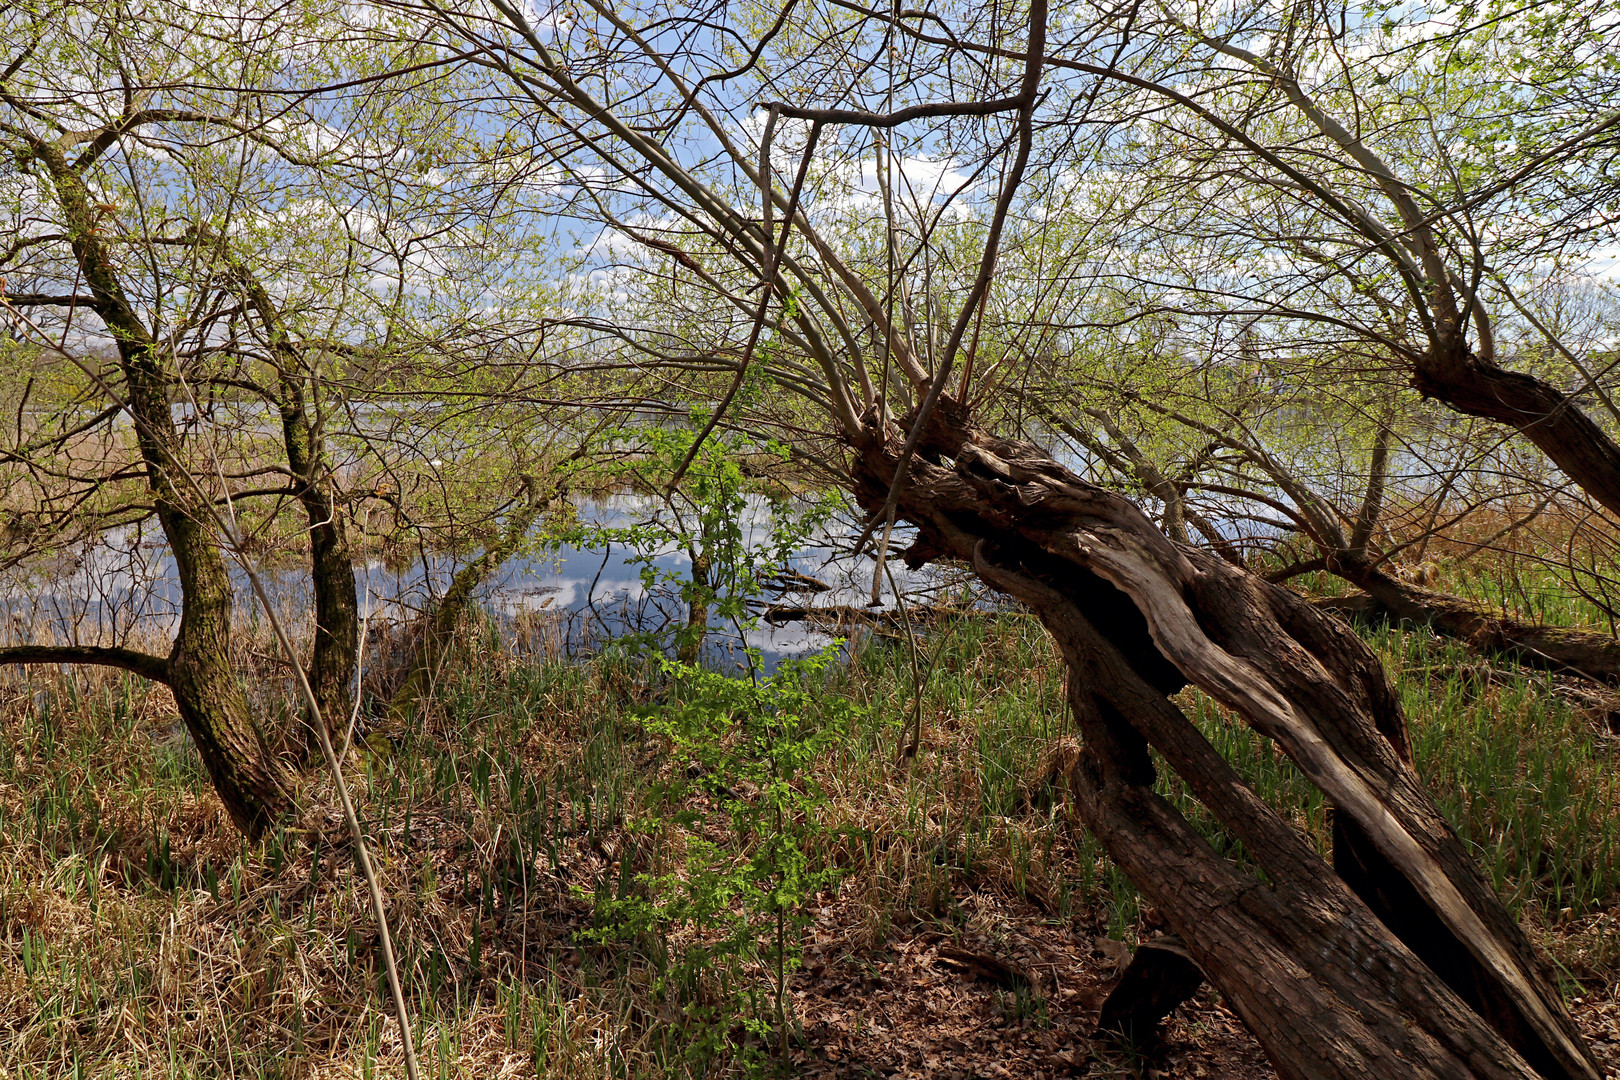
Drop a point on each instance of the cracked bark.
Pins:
(1400, 963)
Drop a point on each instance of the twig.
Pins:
(908, 749)
(359, 671)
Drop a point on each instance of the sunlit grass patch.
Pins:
(140, 936)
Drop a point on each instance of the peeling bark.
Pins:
(1314, 961)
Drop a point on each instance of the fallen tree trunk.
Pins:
(1554, 648)
(1400, 963)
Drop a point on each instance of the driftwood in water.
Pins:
(843, 615)
(1400, 962)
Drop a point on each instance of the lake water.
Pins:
(122, 589)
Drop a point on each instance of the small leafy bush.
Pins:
(723, 869)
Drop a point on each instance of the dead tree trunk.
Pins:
(1407, 967)
(1554, 648)
(1578, 652)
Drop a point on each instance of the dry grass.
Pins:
(139, 936)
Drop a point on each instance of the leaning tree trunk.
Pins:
(436, 629)
(1402, 963)
(252, 784)
(1560, 649)
(250, 781)
(1539, 411)
(207, 688)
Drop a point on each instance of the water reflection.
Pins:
(122, 590)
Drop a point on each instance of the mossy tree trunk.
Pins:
(251, 782)
(335, 651)
(334, 654)
(699, 592)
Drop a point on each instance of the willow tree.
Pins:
(762, 175)
(229, 280)
(90, 245)
(1387, 203)
(1343, 209)
(1295, 476)
(1417, 173)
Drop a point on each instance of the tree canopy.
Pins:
(1138, 310)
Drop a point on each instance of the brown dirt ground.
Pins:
(909, 1011)
(904, 1010)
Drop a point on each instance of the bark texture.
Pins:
(1314, 962)
(335, 652)
(699, 591)
(1554, 648)
(251, 782)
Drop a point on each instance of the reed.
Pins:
(141, 936)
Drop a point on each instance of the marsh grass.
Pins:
(140, 936)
